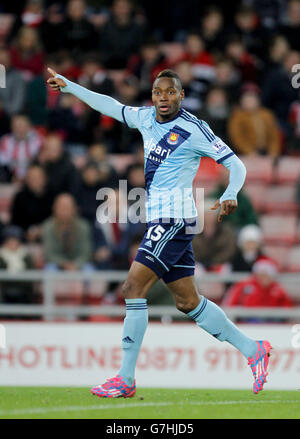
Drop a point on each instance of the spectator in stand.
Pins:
(86, 193)
(32, 204)
(32, 16)
(13, 94)
(147, 65)
(112, 232)
(247, 26)
(244, 62)
(202, 62)
(61, 173)
(19, 147)
(4, 122)
(291, 28)
(64, 120)
(94, 76)
(212, 30)
(245, 214)
(228, 78)
(193, 90)
(26, 53)
(14, 258)
(51, 29)
(278, 94)
(121, 36)
(135, 176)
(248, 249)
(261, 289)
(278, 49)
(108, 176)
(293, 140)
(252, 128)
(67, 237)
(124, 138)
(215, 246)
(216, 111)
(79, 35)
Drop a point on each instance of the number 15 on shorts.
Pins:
(155, 233)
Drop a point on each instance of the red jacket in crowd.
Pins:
(250, 292)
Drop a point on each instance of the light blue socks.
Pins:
(135, 324)
(213, 320)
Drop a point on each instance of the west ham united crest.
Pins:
(173, 138)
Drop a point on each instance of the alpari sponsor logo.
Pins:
(158, 153)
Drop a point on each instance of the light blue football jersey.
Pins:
(172, 152)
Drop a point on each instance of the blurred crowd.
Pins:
(236, 66)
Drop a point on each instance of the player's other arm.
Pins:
(99, 102)
(228, 200)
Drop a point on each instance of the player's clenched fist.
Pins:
(227, 207)
(54, 82)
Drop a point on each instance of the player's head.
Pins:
(167, 94)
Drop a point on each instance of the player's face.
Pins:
(166, 96)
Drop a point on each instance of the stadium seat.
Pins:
(212, 290)
(257, 194)
(281, 199)
(279, 229)
(278, 253)
(258, 168)
(69, 292)
(293, 259)
(208, 170)
(288, 170)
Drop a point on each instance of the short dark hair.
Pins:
(168, 73)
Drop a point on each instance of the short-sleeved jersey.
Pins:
(172, 154)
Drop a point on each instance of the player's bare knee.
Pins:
(131, 289)
(186, 307)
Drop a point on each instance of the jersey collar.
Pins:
(170, 120)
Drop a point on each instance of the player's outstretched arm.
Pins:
(228, 201)
(102, 103)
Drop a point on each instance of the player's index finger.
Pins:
(52, 72)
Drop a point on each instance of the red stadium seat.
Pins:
(281, 199)
(279, 229)
(278, 253)
(69, 292)
(288, 170)
(208, 170)
(257, 195)
(293, 259)
(258, 168)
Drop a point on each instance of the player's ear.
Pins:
(182, 94)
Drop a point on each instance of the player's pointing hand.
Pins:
(54, 82)
(227, 207)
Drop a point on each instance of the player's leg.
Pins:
(213, 320)
(209, 316)
(139, 280)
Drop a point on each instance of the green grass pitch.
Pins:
(78, 403)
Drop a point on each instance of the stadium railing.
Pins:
(50, 310)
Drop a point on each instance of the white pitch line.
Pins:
(42, 410)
